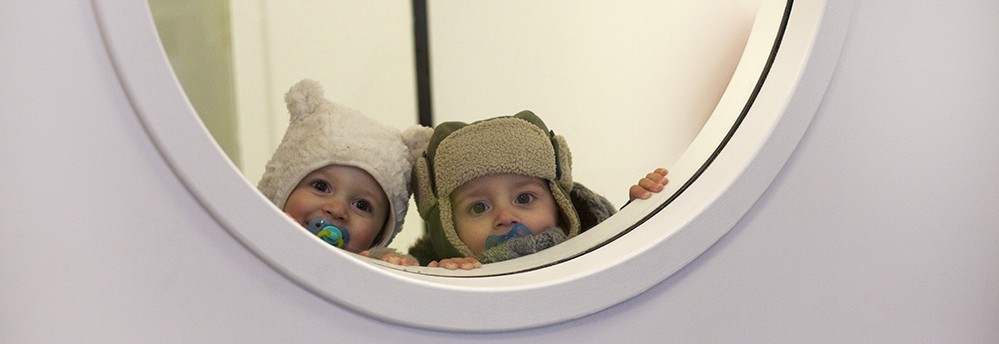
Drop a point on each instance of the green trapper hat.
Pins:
(459, 152)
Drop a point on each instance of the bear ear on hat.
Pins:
(563, 159)
(530, 117)
(304, 98)
(416, 139)
(423, 192)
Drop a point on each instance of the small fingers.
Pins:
(662, 172)
(471, 263)
(659, 176)
(655, 180)
(651, 185)
(407, 262)
(467, 263)
(638, 192)
(391, 258)
(397, 260)
(449, 264)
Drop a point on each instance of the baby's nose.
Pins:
(336, 209)
(505, 218)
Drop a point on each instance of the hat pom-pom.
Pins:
(417, 138)
(304, 98)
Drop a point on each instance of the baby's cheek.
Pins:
(476, 246)
(362, 240)
(542, 225)
(475, 240)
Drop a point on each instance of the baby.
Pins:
(502, 188)
(341, 175)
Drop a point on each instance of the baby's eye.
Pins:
(363, 205)
(478, 208)
(525, 198)
(320, 185)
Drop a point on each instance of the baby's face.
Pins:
(345, 196)
(491, 205)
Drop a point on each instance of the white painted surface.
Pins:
(881, 228)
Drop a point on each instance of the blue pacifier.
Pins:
(517, 231)
(331, 234)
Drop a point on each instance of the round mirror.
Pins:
(754, 123)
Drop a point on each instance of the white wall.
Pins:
(621, 81)
(881, 227)
(575, 63)
(197, 38)
(361, 51)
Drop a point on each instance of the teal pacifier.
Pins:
(517, 231)
(331, 234)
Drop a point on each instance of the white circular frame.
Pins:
(704, 203)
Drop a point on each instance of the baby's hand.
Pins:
(393, 258)
(653, 182)
(467, 263)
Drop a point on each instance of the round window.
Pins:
(766, 107)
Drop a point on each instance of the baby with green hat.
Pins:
(502, 188)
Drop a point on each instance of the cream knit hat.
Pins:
(323, 133)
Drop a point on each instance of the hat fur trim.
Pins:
(459, 152)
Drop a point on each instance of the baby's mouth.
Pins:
(333, 235)
(518, 230)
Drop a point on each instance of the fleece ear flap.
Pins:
(417, 138)
(563, 160)
(423, 192)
